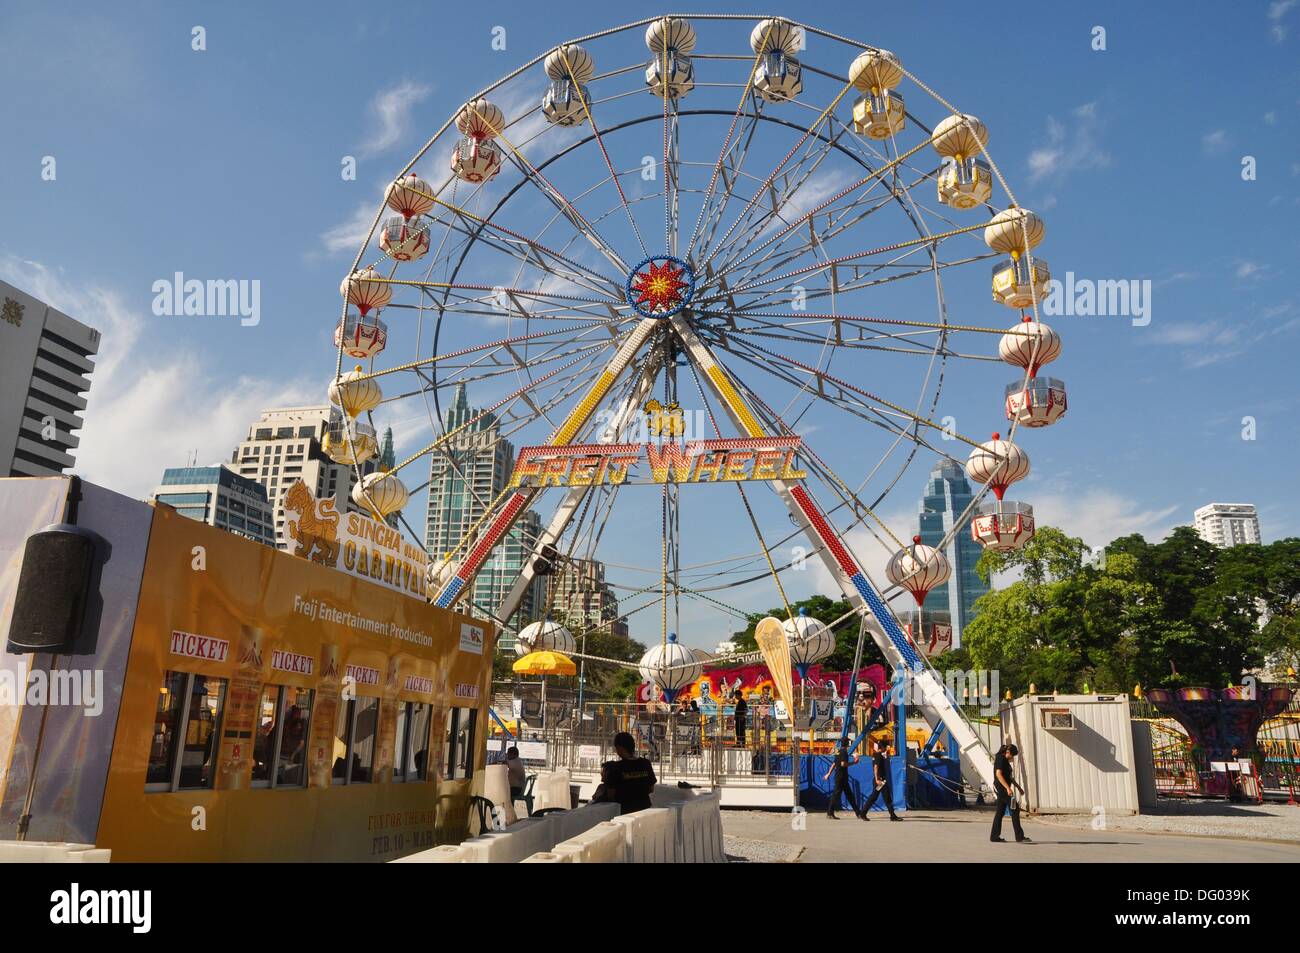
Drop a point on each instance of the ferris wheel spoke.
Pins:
(513, 243)
(726, 146)
(780, 165)
(838, 220)
(604, 153)
(871, 181)
(842, 259)
(567, 208)
(755, 217)
(831, 385)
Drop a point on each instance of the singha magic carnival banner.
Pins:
(352, 542)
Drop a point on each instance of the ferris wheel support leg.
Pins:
(458, 584)
(930, 695)
(573, 498)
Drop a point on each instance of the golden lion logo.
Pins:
(664, 421)
(316, 527)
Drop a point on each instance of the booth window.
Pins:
(354, 740)
(284, 723)
(411, 760)
(186, 735)
(460, 743)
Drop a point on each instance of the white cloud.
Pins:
(1249, 269)
(1098, 516)
(1213, 143)
(347, 236)
(1069, 148)
(390, 114)
(1276, 11)
(1270, 118)
(149, 411)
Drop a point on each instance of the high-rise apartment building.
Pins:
(1228, 524)
(220, 497)
(468, 473)
(45, 366)
(285, 445)
(947, 494)
(579, 594)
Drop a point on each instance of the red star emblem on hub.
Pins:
(659, 287)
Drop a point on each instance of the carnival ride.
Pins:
(612, 231)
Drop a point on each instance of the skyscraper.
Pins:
(464, 479)
(580, 596)
(283, 446)
(45, 363)
(947, 494)
(1228, 524)
(220, 497)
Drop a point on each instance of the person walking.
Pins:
(742, 717)
(1004, 780)
(880, 772)
(840, 765)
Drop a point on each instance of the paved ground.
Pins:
(1271, 821)
(964, 836)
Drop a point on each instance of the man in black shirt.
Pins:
(742, 716)
(840, 765)
(630, 779)
(1004, 780)
(880, 771)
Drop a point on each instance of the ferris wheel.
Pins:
(703, 250)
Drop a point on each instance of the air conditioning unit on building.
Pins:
(1057, 719)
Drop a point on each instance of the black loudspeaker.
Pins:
(53, 587)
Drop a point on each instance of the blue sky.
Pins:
(225, 163)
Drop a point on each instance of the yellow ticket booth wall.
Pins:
(275, 709)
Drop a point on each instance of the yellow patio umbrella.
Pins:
(545, 663)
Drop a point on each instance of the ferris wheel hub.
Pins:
(660, 286)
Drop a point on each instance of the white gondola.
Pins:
(566, 101)
(671, 40)
(349, 445)
(1018, 284)
(778, 77)
(361, 337)
(405, 239)
(1003, 525)
(1037, 402)
(964, 183)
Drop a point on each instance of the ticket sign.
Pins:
(735, 460)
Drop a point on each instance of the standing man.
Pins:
(880, 771)
(840, 765)
(742, 716)
(1004, 780)
(628, 780)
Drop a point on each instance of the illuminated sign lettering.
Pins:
(696, 461)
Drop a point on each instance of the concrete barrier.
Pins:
(570, 824)
(519, 840)
(496, 788)
(442, 854)
(552, 790)
(51, 852)
(699, 830)
(688, 831)
(650, 836)
(603, 844)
